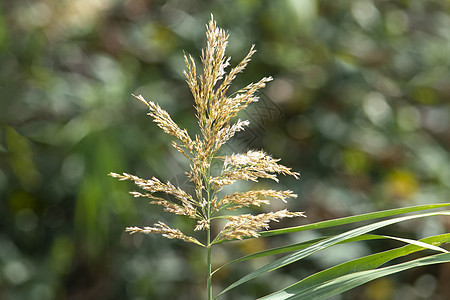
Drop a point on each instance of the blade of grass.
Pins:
(302, 245)
(353, 219)
(360, 264)
(288, 259)
(295, 247)
(349, 281)
(417, 243)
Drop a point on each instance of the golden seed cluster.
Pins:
(215, 111)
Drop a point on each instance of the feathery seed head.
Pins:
(248, 225)
(215, 111)
(166, 231)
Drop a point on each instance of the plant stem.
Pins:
(208, 260)
(208, 233)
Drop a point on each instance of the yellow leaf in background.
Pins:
(401, 183)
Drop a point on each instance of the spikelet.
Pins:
(166, 231)
(248, 225)
(154, 185)
(255, 198)
(250, 166)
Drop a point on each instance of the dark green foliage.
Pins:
(359, 105)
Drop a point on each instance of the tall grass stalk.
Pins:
(216, 112)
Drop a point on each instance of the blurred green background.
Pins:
(359, 105)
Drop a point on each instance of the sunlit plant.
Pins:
(216, 113)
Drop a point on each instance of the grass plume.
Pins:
(215, 113)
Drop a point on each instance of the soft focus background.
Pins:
(359, 105)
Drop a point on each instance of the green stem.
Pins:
(208, 234)
(208, 260)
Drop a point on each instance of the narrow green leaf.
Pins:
(349, 281)
(295, 247)
(360, 264)
(302, 245)
(288, 259)
(273, 251)
(353, 219)
(417, 243)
